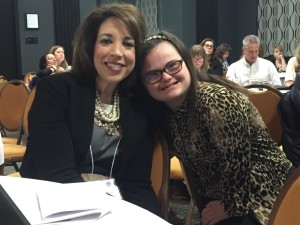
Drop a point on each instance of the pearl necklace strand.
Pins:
(109, 121)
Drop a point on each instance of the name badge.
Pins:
(112, 189)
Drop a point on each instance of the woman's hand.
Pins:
(288, 83)
(60, 69)
(53, 68)
(213, 213)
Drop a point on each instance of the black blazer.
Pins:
(60, 129)
(216, 66)
(289, 111)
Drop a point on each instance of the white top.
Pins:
(1, 151)
(290, 69)
(261, 71)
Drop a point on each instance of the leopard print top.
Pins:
(231, 153)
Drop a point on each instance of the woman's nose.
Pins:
(116, 50)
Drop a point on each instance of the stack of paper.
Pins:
(58, 202)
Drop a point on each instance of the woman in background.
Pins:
(208, 45)
(214, 65)
(48, 65)
(199, 58)
(222, 55)
(292, 67)
(59, 53)
(278, 58)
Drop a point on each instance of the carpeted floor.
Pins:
(179, 204)
(179, 210)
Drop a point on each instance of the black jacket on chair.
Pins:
(289, 110)
(60, 130)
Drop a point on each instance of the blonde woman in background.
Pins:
(59, 53)
(199, 58)
(292, 68)
(279, 58)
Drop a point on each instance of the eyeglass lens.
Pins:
(171, 68)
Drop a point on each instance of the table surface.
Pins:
(23, 192)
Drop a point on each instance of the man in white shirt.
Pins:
(251, 69)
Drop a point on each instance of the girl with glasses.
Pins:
(214, 65)
(208, 45)
(199, 58)
(213, 128)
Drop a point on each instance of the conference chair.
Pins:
(3, 81)
(13, 97)
(26, 110)
(265, 99)
(20, 150)
(160, 173)
(286, 207)
(28, 77)
(177, 173)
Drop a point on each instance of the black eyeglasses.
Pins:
(154, 76)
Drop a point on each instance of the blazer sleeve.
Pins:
(44, 73)
(50, 143)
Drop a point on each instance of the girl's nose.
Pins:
(165, 76)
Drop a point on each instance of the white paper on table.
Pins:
(73, 200)
(23, 192)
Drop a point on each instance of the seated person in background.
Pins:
(214, 129)
(292, 68)
(199, 58)
(214, 66)
(208, 45)
(59, 53)
(87, 124)
(278, 58)
(252, 69)
(221, 57)
(48, 66)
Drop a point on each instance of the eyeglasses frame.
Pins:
(164, 70)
